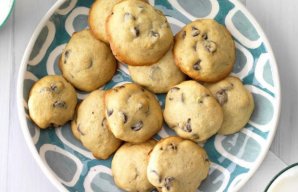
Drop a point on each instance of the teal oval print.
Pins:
(245, 27)
(198, 8)
(263, 112)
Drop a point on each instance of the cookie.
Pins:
(133, 113)
(98, 14)
(52, 101)
(192, 111)
(86, 62)
(236, 101)
(159, 77)
(138, 33)
(73, 124)
(91, 125)
(129, 166)
(177, 165)
(205, 50)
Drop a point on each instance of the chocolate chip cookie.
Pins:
(98, 14)
(205, 50)
(86, 62)
(52, 101)
(91, 126)
(236, 101)
(138, 33)
(177, 165)
(133, 113)
(159, 77)
(129, 166)
(192, 111)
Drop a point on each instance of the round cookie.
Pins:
(138, 33)
(159, 77)
(86, 62)
(98, 14)
(236, 101)
(205, 50)
(192, 111)
(133, 113)
(129, 166)
(52, 101)
(177, 165)
(92, 127)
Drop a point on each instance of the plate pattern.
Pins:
(232, 156)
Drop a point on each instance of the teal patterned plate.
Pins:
(235, 158)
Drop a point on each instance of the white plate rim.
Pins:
(8, 13)
(22, 116)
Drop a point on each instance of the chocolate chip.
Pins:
(138, 126)
(182, 98)
(53, 87)
(129, 17)
(197, 65)
(173, 146)
(183, 34)
(210, 46)
(187, 126)
(161, 148)
(110, 112)
(66, 55)
(207, 159)
(135, 31)
(154, 34)
(80, 131)
(205, 36)
(221, 96)
(60, 104)
(92, 112)
(103, 123)
(124, 117)
(168, 182)
(195, 31)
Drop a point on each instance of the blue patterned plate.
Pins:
(234, 158)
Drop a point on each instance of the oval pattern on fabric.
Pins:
(242, 29)
(63, 164)
(242, 148)
(99, 178)
(42, 43)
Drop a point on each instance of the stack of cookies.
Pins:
(192, 68)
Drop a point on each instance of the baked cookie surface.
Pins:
(86, 62)
(159, 77)
(52, 101)
(98, 14)
(133, 113)
(138, 33)
(129, 166)
(91, 126)
(205, 50)
(192, 111)
(177, 165)
(236, 101)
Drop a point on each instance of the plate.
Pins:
(285, 180)
(234, 159)
(5, 10)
